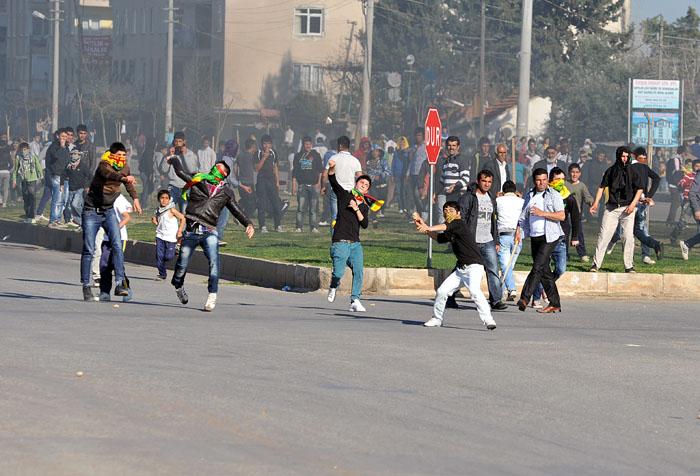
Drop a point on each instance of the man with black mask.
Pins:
(625, 190)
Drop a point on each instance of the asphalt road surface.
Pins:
(284, 383)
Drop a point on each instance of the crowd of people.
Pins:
(485, 203)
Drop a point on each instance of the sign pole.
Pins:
(430, 219)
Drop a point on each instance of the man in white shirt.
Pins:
(206, 155)
(508, 206)
(347, 169)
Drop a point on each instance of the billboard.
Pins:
(97, 50)
(656, 94)
(666, 131)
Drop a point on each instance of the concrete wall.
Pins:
(385, 281)
(260, 36)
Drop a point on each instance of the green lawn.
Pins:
(394, 243)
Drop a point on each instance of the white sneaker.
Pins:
(648, 260)
(537, 304)
(298, 230)
(512, 295)
(585, 259)
(211, 302)
(433, 322)
(331, 294)
(357, 306)
(280, 229)
(684, 249)
(263, 229)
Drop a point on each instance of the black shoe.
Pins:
(87, 294)
(491, 326)
(659, 250)
(182, 295)
(451, 303)
(522, 304)
(594, 269)
(499, 306)
(630, 270)
(121, 290)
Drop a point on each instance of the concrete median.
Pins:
(385, 281)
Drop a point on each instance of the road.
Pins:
(284, 383)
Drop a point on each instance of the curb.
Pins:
(384, 281)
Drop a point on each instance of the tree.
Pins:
(110, 100)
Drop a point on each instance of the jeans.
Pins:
(165, 251)
(65, 203)
(419, 203)
(507, 247)
(695, 239)
(107, 267)
(351, 255)
(541, 271)
(333, 200)
(221, 223)
(488, 253)
(469, 276)
(307, 196)
(45, 196)
(581, 247)
(559, 260)
(210, 245)
(93, 220)
(268, 200)
(176, 196)
(29, 197)
(76, 198)
(641, 232)
(5, 186)
(56, 209)
(676, 199)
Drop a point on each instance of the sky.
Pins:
(670, 9)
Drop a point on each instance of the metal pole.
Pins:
(169, 74)
(367, 72)
(525, 54)
(430, 219)
(661, 50)
(513, 143)
(482, 68)
(650, 153)
(56, 64)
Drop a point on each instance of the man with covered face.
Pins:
(98, 212)
(208, 194)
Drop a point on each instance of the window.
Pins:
(307, 77)
(308, 21)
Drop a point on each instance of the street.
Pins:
(273, 382)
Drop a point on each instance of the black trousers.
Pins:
(268, 200)
(541, 271)
(247, 200)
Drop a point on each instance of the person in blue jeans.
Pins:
(208, 194)
(346, 248)
(98, 212)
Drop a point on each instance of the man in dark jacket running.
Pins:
(209, 193)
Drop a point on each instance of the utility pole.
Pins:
(482, 67)
(56, 64)
(353, 24)
(524, 86)
(367, 73)
(661, 50)
(169, 73)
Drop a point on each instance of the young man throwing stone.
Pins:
(470, 265)
(209, 193)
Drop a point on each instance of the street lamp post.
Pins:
(56, 57)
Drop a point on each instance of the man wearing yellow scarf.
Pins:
(98, 212)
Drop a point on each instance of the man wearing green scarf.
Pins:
(208, 194)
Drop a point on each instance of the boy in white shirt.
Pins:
(170, 225)
(123, 210)
(509, 206)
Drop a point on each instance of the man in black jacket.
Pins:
(478, 210)
(79, 177)
(209, 193)
(650, 181)
(499, 168)
(57, 159)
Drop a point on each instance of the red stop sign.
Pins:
(433, 135)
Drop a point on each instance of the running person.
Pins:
(469, 269)
(346, 248)
(209, 193)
